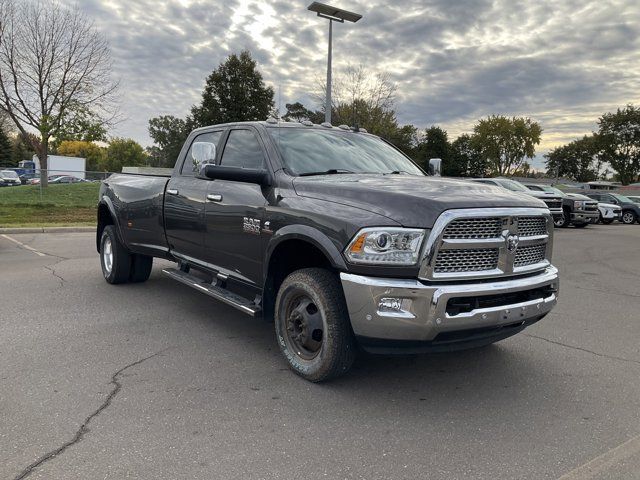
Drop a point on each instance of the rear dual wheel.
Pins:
(118, 264)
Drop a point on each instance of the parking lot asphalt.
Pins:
(157, 381)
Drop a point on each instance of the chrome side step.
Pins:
(222, 294)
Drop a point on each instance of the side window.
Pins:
(201, 151)
(242, 150)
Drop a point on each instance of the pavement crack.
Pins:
(53, 272)
(603, 355)
(84, 428)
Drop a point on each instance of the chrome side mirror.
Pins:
(435, 166)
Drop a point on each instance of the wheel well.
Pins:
(104, 219)
(289, 256)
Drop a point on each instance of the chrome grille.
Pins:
(467, 260)
(532, 226)
(469, 228)
(591, 206)
(478, 243)
(530, 255)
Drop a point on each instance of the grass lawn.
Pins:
(56, 205)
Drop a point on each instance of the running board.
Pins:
(222, 294)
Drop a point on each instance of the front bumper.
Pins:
(584, 217)
(418, 315)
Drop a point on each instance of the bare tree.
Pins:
(52, 61)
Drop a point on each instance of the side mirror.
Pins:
(237, 174)
(435, 166)
(202, 153)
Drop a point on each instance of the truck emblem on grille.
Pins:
(512, 242)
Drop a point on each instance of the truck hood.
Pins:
(412, 201)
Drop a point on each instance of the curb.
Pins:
(48, 230)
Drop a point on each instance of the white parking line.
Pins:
(27, 247)
(604, 462)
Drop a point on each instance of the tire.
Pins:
(140, 268)
(115, 259)
(312, 325)
(628, 217)
(561, 221)
(607, 221)
(580, 225)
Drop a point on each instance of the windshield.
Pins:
(9, 174)
(306, 150)
(621, 198)
(512, 185)
(552, 190)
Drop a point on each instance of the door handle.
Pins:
(214, 197)
(172, 191)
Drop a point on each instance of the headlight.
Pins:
(386, 246)
(578, 204)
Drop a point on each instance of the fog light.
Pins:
(395, 307)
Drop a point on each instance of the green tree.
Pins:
(123, 152)
(6, 150)
(168, 133)
(22, 147)
(465, 160)
(578, 160)
(234, 92)
(620, 140)
(94, 154)
(506, 142)
(434, 143)
(79, 123)
(297, 112)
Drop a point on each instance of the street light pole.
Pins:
(327, 108)
(332, 14)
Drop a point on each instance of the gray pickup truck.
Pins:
(337, 237)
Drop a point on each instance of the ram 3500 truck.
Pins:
(337, 237)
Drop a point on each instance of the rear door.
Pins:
(184, 202)
(235, 211)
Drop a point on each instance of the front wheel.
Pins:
(607, 221)
(561, 221)
(312, 325)
(628, 217)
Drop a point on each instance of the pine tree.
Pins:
(6, 150)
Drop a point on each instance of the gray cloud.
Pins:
(562, 63)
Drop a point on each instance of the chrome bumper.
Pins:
(399, 309)
(584, 216)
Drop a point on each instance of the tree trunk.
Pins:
(43, 156)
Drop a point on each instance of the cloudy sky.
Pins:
(561, 62)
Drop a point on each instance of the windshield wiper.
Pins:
(331, 171)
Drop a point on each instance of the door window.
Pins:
(201, 151)
(243, 150)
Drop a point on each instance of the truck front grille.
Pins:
(554, 203)
(467, 260)
(530, 255)
(487, 243)
(468, 228)
(532, 226)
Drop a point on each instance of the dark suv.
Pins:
(630, 209)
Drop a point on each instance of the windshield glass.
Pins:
(306, 150)
(512, 185)
(621, 198)
(9, 174)
(553, 190)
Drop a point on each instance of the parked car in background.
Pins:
(9, 178)
(609, 212)
(59, 179)
(578, 210)
(630, 209)
(634, 198)
(551, 199)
